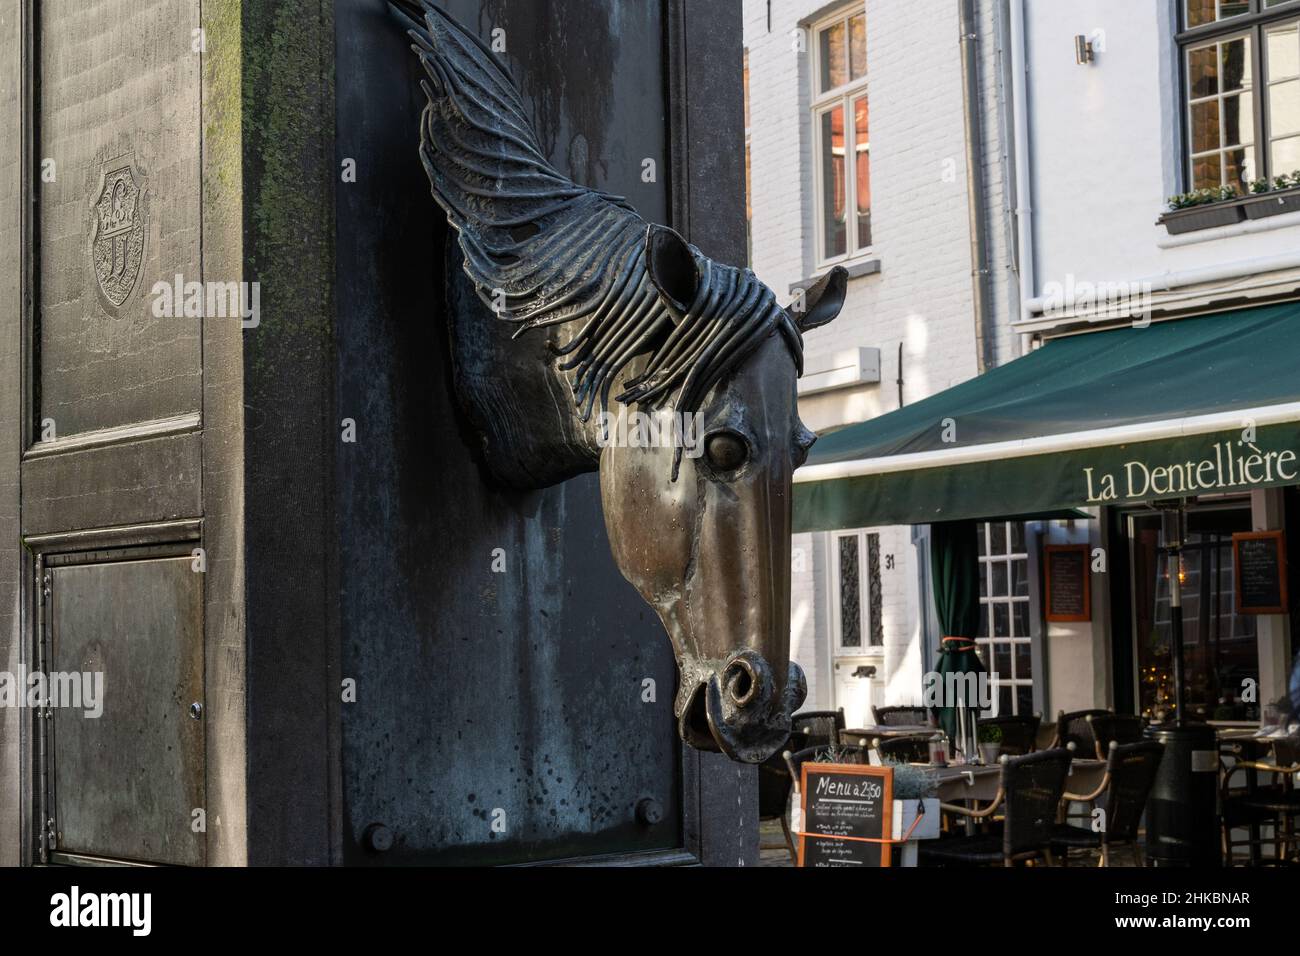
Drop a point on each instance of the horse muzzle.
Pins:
(736, 708)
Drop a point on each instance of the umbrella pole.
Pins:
(1173, 530)
(1176, 632)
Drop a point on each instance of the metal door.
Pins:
(111, 433)
(125, 749)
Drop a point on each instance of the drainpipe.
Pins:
(979, 254)
(1024, 184)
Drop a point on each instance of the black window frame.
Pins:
(1253, 22)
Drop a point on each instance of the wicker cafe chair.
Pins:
(1073, 728)
(1019, 734)
(774, 786)
(900, 716)
(1275, 805)
(822, 727)
(913, 749)
(1110, 728)
(1130, 773)
(1028, 795)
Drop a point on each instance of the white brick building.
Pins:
(1089, 116)
(911, 295)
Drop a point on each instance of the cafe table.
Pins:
(864, 735)
(980, 782)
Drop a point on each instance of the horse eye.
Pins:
(726, 451)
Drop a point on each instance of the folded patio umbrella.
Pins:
(954, 565)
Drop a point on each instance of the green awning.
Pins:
(1196, 406)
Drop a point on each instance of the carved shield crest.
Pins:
(117, 242)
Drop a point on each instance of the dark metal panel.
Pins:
(119, 115)
(478, 691)
(131, 483)
(125, 783)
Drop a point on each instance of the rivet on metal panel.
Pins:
(649, 811)
(378, 838)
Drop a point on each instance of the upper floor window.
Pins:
(1241, 90)
(840, 136)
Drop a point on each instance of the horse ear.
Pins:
(672, 267)
(822, 303)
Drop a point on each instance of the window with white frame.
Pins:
(1005, 637)
(856, 560)
(1241, 91)
(841, 138)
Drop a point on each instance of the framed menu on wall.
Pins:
(1067, 582)
(846, 814)
(1259, 570)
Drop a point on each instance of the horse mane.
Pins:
(542, 250)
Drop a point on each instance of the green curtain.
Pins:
(954, 571)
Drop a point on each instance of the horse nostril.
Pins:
(741, 681)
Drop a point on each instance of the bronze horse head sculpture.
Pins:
(635, 322)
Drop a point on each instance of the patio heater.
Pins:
(1182, 810)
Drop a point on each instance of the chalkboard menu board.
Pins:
(1259, 566)
(1068, 584)
(846, 810)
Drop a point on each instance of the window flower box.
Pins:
(1205, 216)
(1273, 203)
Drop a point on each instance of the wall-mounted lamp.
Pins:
(1083, 52)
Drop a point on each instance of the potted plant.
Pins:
(1273, 197)
(990, 736)
(1202, 209)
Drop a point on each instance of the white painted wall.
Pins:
(922, 296)
(1105, 146)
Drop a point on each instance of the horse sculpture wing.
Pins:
(543, 250)
(540, 249)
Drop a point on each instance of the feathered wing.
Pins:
(542, 250)
(539, 248)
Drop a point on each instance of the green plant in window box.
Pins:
(1204, 196)
(1274, 197)
(1203, 208)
